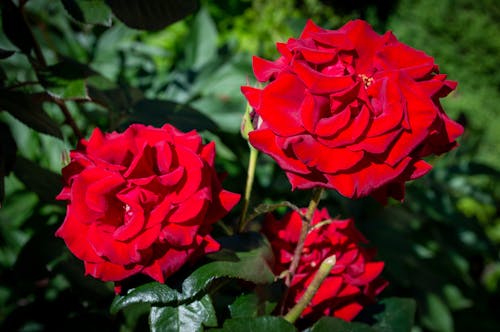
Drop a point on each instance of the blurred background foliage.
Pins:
(441, 246)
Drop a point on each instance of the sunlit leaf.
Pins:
(201, 43)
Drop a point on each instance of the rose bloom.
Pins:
(351, 110)
(141, 202)
(352, 283)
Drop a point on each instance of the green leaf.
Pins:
(44, 183)
(201, 43)
(152, 14)
(436, 315)
(258, 324)
(183, 318)
(28, 109)
(66, 79)
(252, 266)
(152, 293)
(15, 27)
(89, 11)
(249, 305)
(398, 315)
(159, 112)
(329, 324)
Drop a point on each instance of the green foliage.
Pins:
(263, 323)
(463, 37)
(250, 266)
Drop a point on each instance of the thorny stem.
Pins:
(306, 224)
(323, 271)
(252, 163)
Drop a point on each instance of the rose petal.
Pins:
(315, 155)
(265, 140)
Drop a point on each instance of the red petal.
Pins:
(349, 311)
(265, 141)
(319, 83)
(280, 106)
(107, 271)
(312, 110)
(192, 208)
(265, 69)
(253, 96)
(325, 159)
(367, 178)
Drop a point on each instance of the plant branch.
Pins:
(323, 271)
(306, 224)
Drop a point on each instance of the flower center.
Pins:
(367, 81)
(128, 213)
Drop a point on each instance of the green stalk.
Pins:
(252, 163)
(323, 271)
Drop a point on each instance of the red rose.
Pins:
(354, 280)
(351, 110)
(141, 201)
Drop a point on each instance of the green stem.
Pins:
(306, 224)
(252, 163)
(323, 271)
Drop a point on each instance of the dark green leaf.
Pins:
(329, 324)
(15, 28)
(153, 14)
(252, 266)
(66, 79)
(110, 95)
(8, 150)
(249, 305)
(41, 181)
(160, 112)
(28, 109)
(184, 318)
(152, 293)
(70, 69)
(89, 11)
(201, 43)
(4, 54)
(258, 324)
(398, 315)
